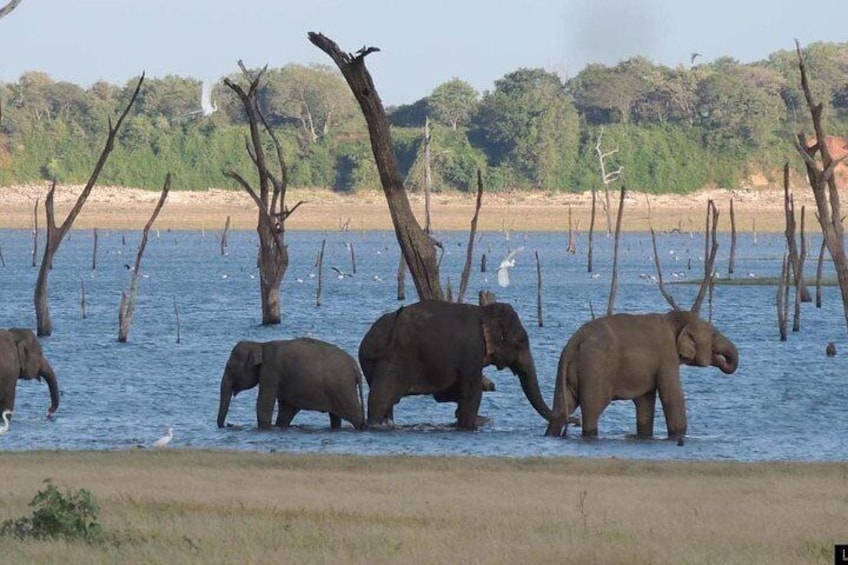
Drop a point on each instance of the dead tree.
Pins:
(607, 178)
(667, 295)
(614, 283)
(401, 279)
(418, 249)
(823, 184)
(799, 278)
(82, 298)
(127, 307)
(819, 272)
(469, 254)
(794, 258)
(34, 231)
(56, 233)
(710, 252)
(592, 228)
(320, 264)
(224, 236)
(428, 176)
(94, 251)
(572, 247)
(731, 262)
(7, 9)
(177, 316)
(781, 300)
(539, 291)
(273, 255)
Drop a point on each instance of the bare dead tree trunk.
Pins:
(592, 227)
(94, 251)
(539, 291)
(483, 263)
(449, 291)
(82, 298)
(34, 231)
(614, 284)
(401, 279)
(224, 236)
(710, 251)
(352, 258)
(419, 250)
(270, 201)
(731, 263)
(781, 297)
(127, 308)
(819, 273)
(428, 177)
(469, 252)
(789, 210)
(7, 9)
(2, 260)
(667, 295)
(823, 184)
(56, 233)
(177, 316)
(572, 247)
(799, 277)
(320, 273)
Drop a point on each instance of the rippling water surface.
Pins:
(786, 401)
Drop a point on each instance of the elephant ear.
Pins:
(23, 356)
(490, 342)
(686, 345)
(254, 355)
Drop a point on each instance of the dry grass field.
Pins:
(758, 209)
(175, 506)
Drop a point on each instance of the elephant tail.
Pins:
(565, 399)
(359, 380)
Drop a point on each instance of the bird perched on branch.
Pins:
(506, 264)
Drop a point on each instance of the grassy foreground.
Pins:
(175, 506)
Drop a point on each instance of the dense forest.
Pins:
(676, 129)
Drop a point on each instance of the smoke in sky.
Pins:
(609, 31)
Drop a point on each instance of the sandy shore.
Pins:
(758, 209)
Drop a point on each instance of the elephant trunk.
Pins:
(725, 356)
(226, 395)
(46, 372)
(530, 386)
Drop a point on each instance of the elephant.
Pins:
(22, 357)
(440, 348)
(634, 357)
(300, 374)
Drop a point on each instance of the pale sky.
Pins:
(422, 43)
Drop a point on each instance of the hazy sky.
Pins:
(423, 43)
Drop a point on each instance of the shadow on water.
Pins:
(784, 402)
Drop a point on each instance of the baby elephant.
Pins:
(635, 357)
(300, 374)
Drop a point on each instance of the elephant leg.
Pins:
(674, 405)
(645, 405)
(383, 394)
(286, 414)
(469, 404)
(335, 422)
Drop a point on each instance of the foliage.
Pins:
(678, 128)
(72, 516)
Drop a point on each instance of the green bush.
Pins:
(72, 516)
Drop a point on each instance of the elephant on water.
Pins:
(297, 374)
(635, 357)
(21, 357)
(440, 348)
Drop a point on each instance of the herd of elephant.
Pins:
(441, 348)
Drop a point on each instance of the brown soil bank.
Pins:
(127, 208)
(175, 506)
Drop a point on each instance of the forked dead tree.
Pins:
(614, 283)
(127, 307)
(270, 200)
(55, 233)
(607, 178)
(795, 259)
(418, 249)
(823, 184)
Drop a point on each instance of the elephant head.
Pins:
(507, 346)
(701, 345)
(241, 373)
(34, 365)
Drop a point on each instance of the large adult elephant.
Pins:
(299, 374)
(635, 357)
(21, 357)
(440, 348)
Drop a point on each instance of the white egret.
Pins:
(506, 264)
(6, 414)
(165, 439)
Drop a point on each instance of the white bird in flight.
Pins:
(506, 264)
(5, 428)
(165, 439)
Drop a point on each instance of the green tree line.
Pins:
(676, 129)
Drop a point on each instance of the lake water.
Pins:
(787, 401)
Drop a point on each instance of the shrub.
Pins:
(72, 516)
